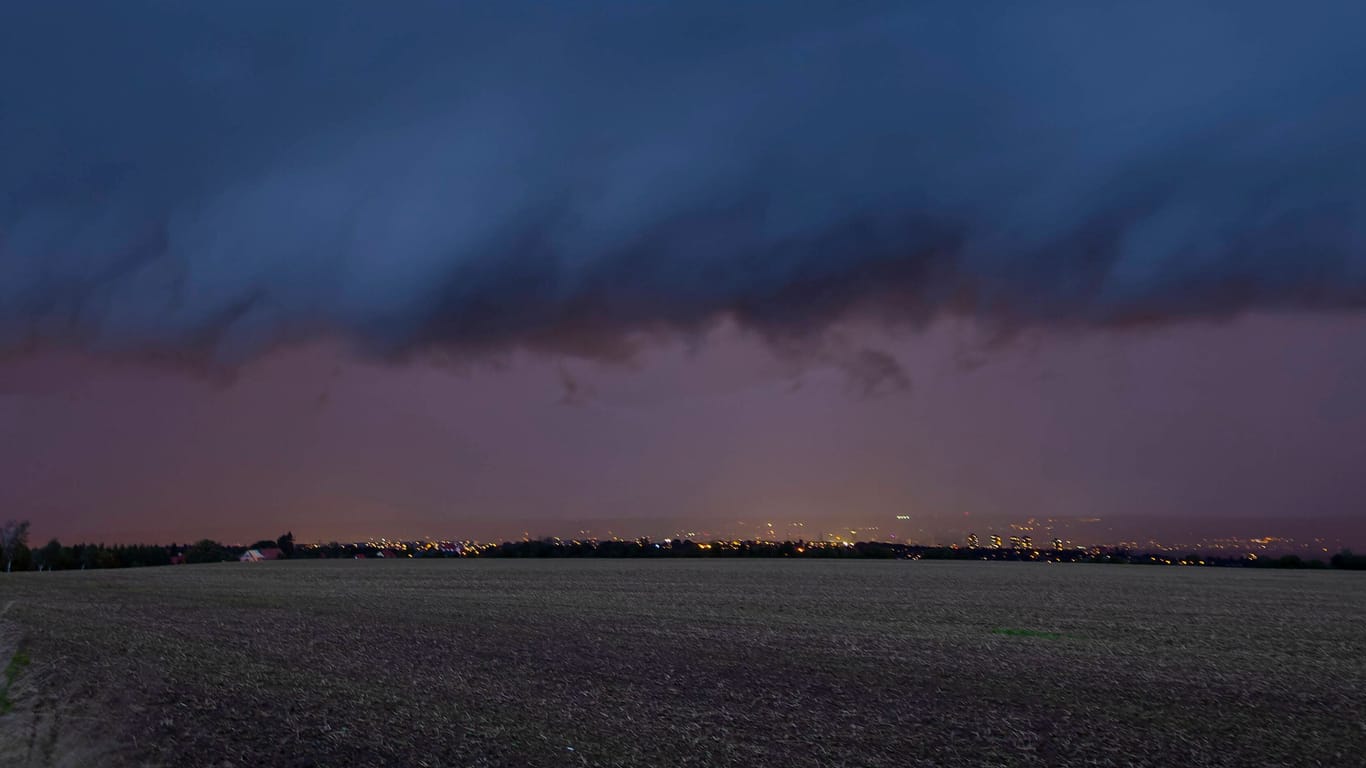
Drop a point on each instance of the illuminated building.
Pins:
(972, 541)
(1057, 544)
(995, 542)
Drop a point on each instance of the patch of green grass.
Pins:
(1026, 633)
(16, 665)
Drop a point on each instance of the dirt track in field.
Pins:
(704, 663)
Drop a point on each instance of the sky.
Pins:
(355, 270)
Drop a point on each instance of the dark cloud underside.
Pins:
(210, 179)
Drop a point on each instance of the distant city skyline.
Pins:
(1228, 536)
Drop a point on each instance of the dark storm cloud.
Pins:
(191, 179)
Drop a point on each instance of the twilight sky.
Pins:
(356, 269)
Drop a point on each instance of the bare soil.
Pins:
(684, 663)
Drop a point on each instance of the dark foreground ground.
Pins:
(755, 663)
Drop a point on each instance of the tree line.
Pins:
(54, 556)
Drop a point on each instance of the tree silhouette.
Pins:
(13, 540)
(286, 543)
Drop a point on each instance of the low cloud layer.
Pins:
(209, 180)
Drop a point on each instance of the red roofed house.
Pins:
(258, 555)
